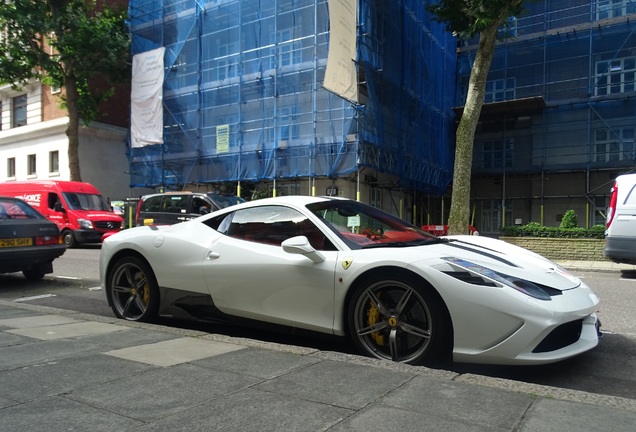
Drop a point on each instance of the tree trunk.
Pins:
(72, 130)
(458, 218)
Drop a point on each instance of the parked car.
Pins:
(173, 207)
(338, 266)
(28, 241)
(620, 231)
(77, 208)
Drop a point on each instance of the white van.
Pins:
(620, 231)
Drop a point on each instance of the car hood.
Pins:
(98, 215)
(506, 258)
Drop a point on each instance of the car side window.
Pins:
(52, 200)
(174, 204)
(200, 206)
(272, 225)
(152, 204)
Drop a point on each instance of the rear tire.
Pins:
(35, 273)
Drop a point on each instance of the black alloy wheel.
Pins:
(132, 290)
(398, 319)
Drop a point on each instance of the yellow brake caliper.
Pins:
(373, 316)
(146, 293)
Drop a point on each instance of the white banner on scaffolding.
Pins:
(146, 94)
(341, 76)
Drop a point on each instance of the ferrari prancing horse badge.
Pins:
(346, 263)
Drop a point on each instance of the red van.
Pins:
(78, 209)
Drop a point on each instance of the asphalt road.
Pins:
(608, 369)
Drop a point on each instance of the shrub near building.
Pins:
(566, 242)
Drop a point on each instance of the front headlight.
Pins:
(494, 278)
(85, 223)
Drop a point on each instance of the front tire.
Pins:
(398, 318)
(69, 238)
(132, 290)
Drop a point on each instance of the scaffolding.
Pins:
(560, 112)
(243, 94)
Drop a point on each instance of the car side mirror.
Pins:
(58, 206)
(300, 245)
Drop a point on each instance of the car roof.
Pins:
(291, 200)
(185, 193)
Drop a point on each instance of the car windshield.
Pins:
(16, 209)
(361, 226)
(223, 201)
(82, 201)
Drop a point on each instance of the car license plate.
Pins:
(15, 242)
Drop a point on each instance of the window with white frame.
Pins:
(286, 51)
(613, 144)
(19, 113)
(54, 162)
(615, 76)
(227, 61)
(286, 120)
(287, 124)
(500, 90)
(494, 153)
(31, 165)
(11, 168)
(605, 9)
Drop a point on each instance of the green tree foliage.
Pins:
(67, 44)
(569, 220)
(467, 18)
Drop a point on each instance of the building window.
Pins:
(0, 115)
(11, 167)
(54, 162)
(286, 124)
(494, 153)
(613, 144)
(491, 216)
(613, 8)
(500, 90)
(375, 199)
(289, 51)
(615, 76)
(31, 165)
(598, 211)
(19, 111)
(227, 61)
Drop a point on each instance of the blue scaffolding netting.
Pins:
(579, 58)
(253, 70)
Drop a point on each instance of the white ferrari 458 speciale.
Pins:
(338, 266)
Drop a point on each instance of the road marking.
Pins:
(68, 277)
(24, 299)
(97, 288)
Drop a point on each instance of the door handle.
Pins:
(213, 255)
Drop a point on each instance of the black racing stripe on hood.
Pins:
(483, 251)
